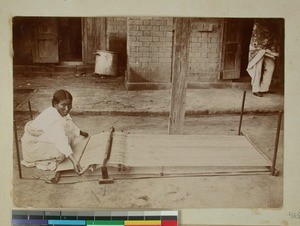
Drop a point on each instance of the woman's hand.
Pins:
(269, 52)
(76, 165)
(84, 134)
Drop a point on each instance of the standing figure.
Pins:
(51, 134)
(262, 52)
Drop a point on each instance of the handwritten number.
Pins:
(294, 215)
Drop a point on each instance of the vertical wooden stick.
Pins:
(108, 146)
(105, 177)
(18, 150)
(276, 143)
(242, 113)
(29, 106)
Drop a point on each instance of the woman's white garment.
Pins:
(48, 136)
(261, 69)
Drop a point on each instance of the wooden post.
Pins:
(179, 74)
(18, 150)
(242, 113)
(273, 169)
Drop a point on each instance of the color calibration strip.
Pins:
(88, 218)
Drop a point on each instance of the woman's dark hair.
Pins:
(61, 95)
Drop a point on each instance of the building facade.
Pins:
(218, 49)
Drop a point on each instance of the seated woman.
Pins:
(51, 134)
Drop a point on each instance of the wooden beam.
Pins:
(179, 74)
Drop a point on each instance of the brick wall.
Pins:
(150, 41)
(116, 31)
(204, 59)
(149, 49)
(117, 25)
(150, 45)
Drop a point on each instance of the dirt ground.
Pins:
(246, 191)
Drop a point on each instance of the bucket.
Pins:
(106, 63)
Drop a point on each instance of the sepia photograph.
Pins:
(148, 112)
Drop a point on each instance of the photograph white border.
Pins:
(288, 9)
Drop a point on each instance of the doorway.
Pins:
(235, 49)
(39, 40)
(70, 39)
(246, 31)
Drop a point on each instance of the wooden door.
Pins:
(93, 36)
(70, 39)
(45, 41)
(231, 49)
